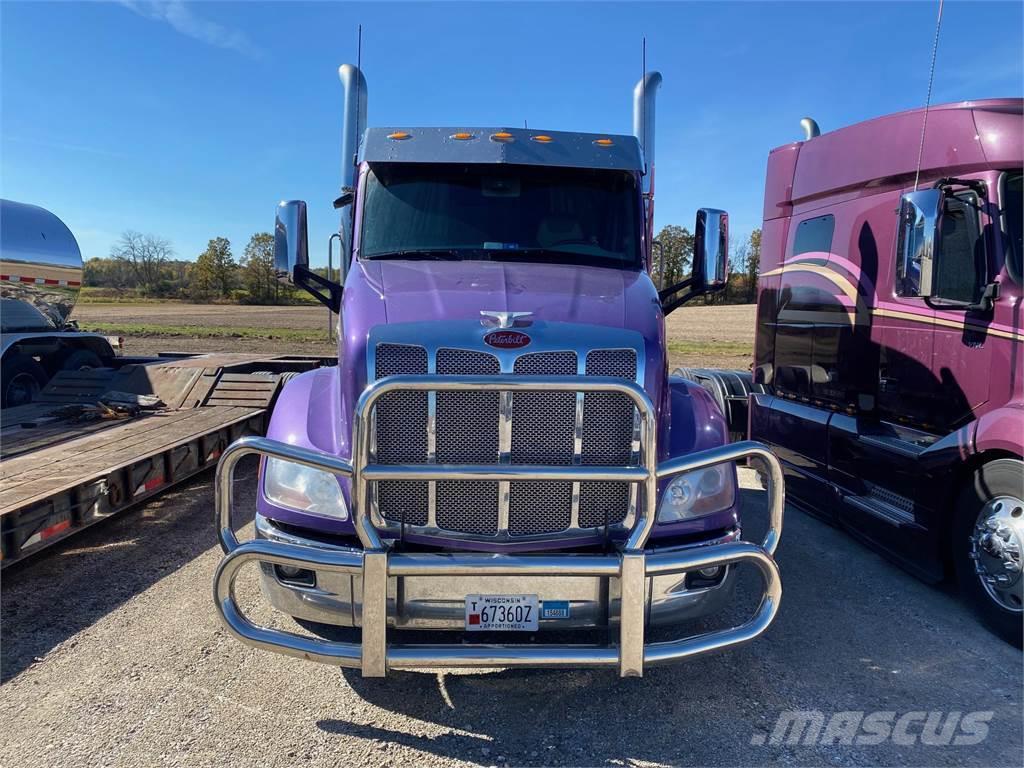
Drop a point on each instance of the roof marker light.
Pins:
(502, 136)
(399, 136)
(603, 142)
(542, 138)
(463, 136)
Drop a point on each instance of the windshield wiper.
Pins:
(427, 254)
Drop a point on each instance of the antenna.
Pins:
(928, 98)
(359, 76)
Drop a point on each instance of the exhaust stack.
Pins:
(643, 122)
(354, 110)
(644, 95)
(811, 129)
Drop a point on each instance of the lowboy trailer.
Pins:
(95, 442)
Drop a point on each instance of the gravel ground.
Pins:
(722, 337)
(112, 655)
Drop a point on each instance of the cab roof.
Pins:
(514, 146)
(962, 137)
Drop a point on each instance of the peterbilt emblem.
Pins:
(506, 339)
(495, 319)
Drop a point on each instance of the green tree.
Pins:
(258, 272)
(672, 255)
(753, 265)
(214, 272)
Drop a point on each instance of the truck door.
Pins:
(907, 392)
(798, 422)
(961, 355)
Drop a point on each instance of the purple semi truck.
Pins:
(889, 363)
(500, 451)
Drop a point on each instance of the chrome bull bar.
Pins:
(632, 565)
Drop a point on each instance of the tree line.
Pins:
(145, 265)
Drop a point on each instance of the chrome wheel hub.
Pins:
(996, 545)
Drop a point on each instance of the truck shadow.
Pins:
(833, 588)
(55, 594)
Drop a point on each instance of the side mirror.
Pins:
(291, 240)
(291, 255)
(918, 241)
(710, 250)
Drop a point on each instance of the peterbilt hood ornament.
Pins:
(503, 320)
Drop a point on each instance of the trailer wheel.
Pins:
(988, 539)
(21, 380)
(80, 359)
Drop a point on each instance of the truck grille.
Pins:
(468, 429)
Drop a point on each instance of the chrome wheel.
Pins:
(996, 543)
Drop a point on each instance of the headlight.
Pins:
(698, 493)
(291, 485)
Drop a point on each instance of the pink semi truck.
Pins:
(889, 362)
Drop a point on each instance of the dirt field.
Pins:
(713, 337)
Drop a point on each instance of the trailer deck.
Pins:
(64, 467)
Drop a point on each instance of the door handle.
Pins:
(888, 384)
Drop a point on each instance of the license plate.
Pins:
(507, 613)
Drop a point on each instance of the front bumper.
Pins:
(374, 571)
(429, 603)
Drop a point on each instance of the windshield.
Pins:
(511, 212)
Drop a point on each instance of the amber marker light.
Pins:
(462, 136)
(603, 142)
(399, 136)
(502, 136)
(543, 139)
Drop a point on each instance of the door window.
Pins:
(960, 267)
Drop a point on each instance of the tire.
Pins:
(78, 359)
(988, 536)
(21, 380)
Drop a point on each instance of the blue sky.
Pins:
(192, 121)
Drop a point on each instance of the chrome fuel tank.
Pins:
(40, 269)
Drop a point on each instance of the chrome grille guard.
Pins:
(632, 565)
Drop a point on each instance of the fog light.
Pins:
(300, 577)
(710, 573)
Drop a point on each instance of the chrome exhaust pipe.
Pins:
(811, 129)
(643, 123)
(354, 107)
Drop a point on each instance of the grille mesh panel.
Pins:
(607, 438)
(603, 503)
(543, 506)
(543, 425)
(401, 434)
(467, 506)
(467, 433)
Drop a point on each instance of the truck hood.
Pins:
(416, 291)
